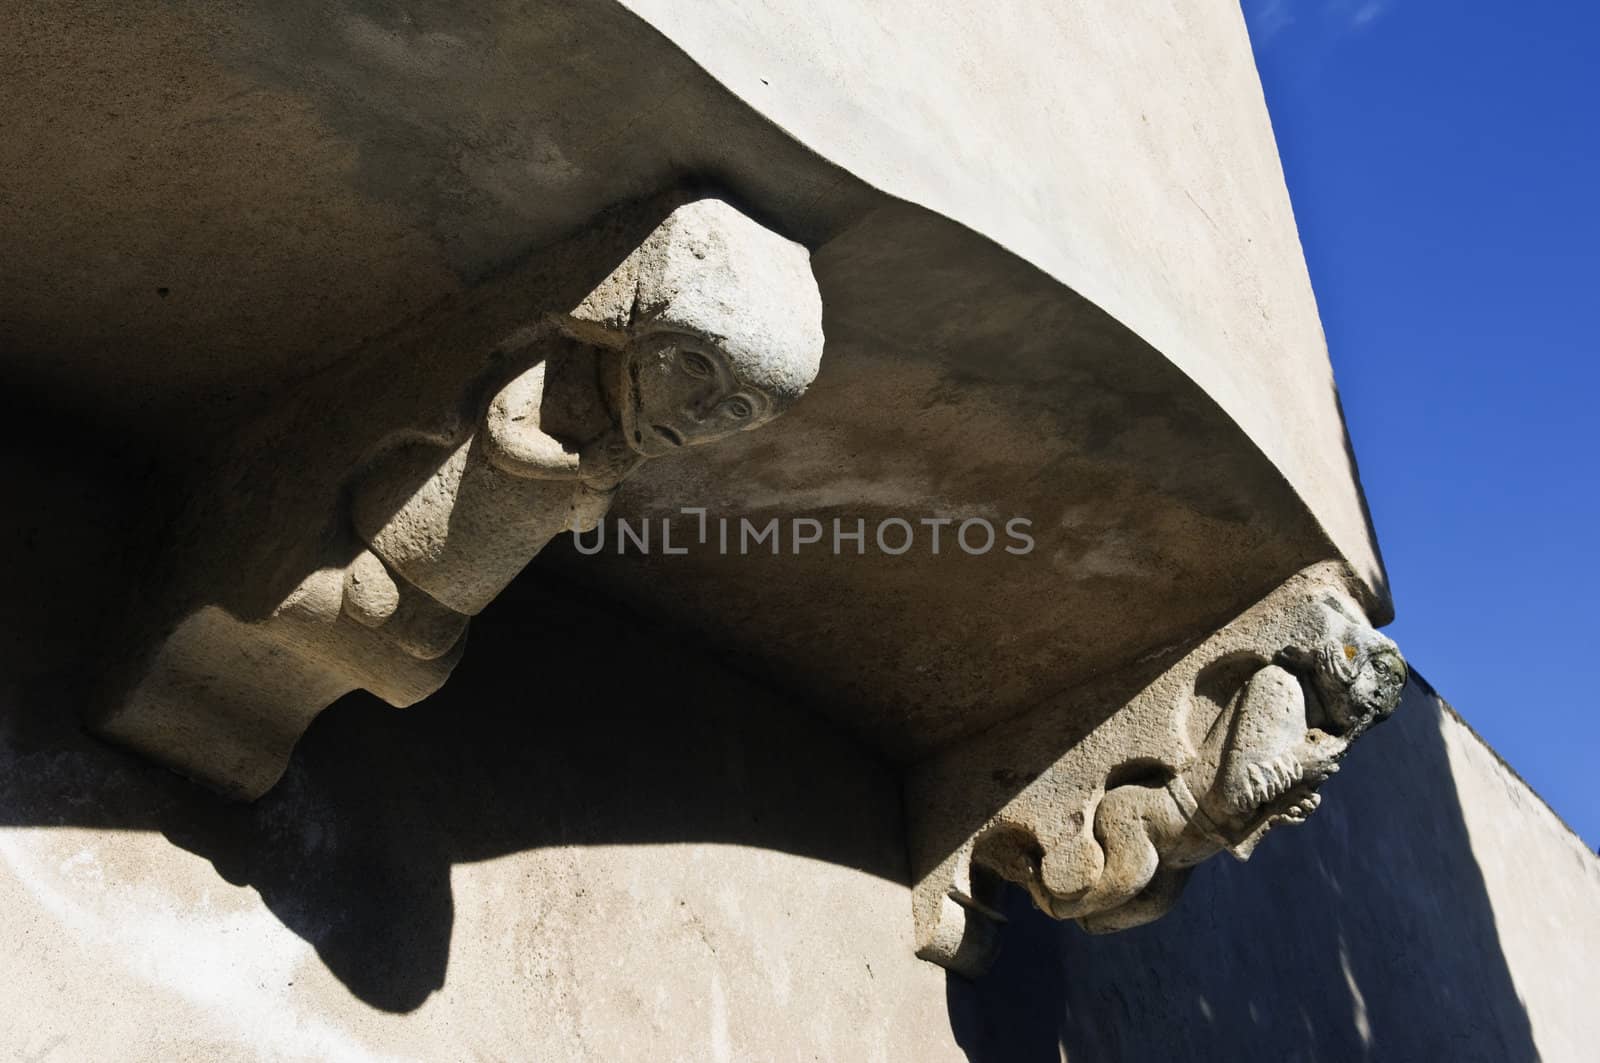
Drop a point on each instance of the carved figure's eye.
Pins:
(739, 408)
(695, 363)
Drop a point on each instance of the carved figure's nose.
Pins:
(700, 405)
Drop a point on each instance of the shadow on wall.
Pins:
(567, 725)
(1366, 934)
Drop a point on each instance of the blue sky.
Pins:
(1444, 161)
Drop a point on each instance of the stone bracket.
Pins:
(1101, 802)
(345, 539)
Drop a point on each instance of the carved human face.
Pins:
(681, 391)
(1375, 690)
(1360, 684)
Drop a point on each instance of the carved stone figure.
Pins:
(554, 442)
(711, 327)
(1209, 754)
(1282, 736)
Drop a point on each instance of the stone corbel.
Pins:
(1159, 773)
(385, 541)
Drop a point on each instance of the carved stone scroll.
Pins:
(711, 326)
(1229, 742)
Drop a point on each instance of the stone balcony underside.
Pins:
(273, 190)
(1097, 319)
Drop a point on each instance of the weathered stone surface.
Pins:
(1210, 754)
(1094, 317)
(712, 326)
(254, 244)
(476, 874)
(1124, 150)
(479, 874)
(686, 871)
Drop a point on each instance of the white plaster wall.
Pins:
(125, 947)
(1545, 886)
(1123, 148)
(1434, 908)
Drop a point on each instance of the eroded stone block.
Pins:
(1229, 742)
(712, 326)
